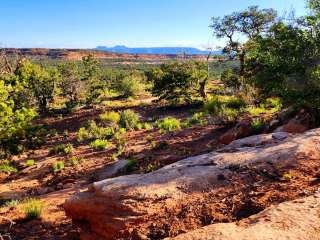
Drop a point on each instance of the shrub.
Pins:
(147, 126)
(129, 86)
(257, 125)
(93, 131)
(196, 118)
(186, 124)
(213, 106)
(168, 124)
(68, 149)
(229, 114)
(57, 149)
(29, 163)
(13, 203)
(99, 144)
(110, 117)
(128, 119)
(131, 165)
(83, 134)
(151, 168)
(73, 161)
(256, 111)
(32, 208)
(235, 103)
(6, 167)
(58, 166)
(139, 126)
(274, 103)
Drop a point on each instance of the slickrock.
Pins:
(295, 220)
(222, 186)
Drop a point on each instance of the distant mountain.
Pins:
(154, 50)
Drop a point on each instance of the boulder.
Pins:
(302, 122)
(113, 169)
(241, 130)
(197, 191)
(295, 220)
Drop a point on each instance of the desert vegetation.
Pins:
(63, 122)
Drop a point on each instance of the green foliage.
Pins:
(29, 162)
(61, 148)
(6, 167)
(178, 81)
(70, 84)
(73, 161)
(256, 111)
(130, 85)
(256, 125)
(131, 165)
(14, 121)
(83, 134)
(147, 126)
(110, 117)
(13, 203)
(168, 124)
(213, 106)
(68, 149)
(100, 144)
(32, 208)
(58, 166)
(42, 82)
(227, 109)
(128, 119)
(93, 131)
(230, 79)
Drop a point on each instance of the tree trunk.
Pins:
(242, 62)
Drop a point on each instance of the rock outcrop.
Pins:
(295, 220)
(233, 183)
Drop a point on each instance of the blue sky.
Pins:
(135, 23)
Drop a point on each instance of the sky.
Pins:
(134, 23)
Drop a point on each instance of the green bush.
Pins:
(58, 166)
(73, 161)
(128, 119)
(235, 103)
(213, 106)
(256, 111)
(93, 131)
(110, 117)
(6, 167)
(29, 163)
(275, 103)
(139, 126)
(83, 134)
(129, 86)
(100, 144)
(13, 203)
(168, 124)
(147, 126)
(196, 118)
(32, 208)
(257, 125)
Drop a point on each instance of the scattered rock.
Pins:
(295, 220)
(113, 169)
(144, 203)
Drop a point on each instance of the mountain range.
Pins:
(155, 50)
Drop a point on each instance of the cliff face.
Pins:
(77, 54)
